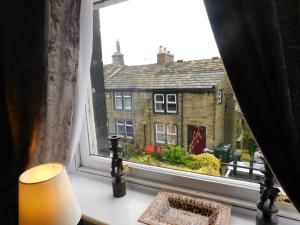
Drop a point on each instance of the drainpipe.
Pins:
(181, 120)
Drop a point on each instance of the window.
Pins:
(128, 129)
(171, 103)
(123, 100)
(118, 100)
(165, 103)
(166, 133)
(199, 108)
(159, 100)
(160, 133)
(120, 128)
(124, 128)
(127, 100)
(172, 134)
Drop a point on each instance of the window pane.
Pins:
(120, 128)
(127, 102)
(171, 98)
(172, 134)
(118, 100)
(160, 86)
(129, 132)
(171, 108)
(159, 98)
(159, 107)
(160, 138)
(160, 128)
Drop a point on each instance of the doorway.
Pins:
(196, 139)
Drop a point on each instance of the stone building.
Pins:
(189, 103)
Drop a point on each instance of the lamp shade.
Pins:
(46, 197)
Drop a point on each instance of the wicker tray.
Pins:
(173, 208)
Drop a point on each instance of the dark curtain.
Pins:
(22, 65)
(34, 49)
(259, 42)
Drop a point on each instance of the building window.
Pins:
(118, 100)
(120, 128)
(159, 100)
(172, 134)
(165, 103)
(160, 133)
(123, 100)
(166, 134)
(171, 103)
(127, 100)
(128, 129)
(220, 96)
(124, 129)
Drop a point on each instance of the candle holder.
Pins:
(266, 209)
(118, 183)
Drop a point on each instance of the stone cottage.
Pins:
(189, 103)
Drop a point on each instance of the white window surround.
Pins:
(165, 104)
(124, 124)
(118, 100)
(160, 132)
(128, 124)
(120, 123)
(235, 192)
(171, 133)
(122, 100)
(127, 100)
(171, 103)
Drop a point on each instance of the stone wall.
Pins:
(193, 109)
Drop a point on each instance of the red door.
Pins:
(196, 139)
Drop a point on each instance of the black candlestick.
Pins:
(118, 183)
(266, 210)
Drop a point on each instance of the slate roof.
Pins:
(196, 74)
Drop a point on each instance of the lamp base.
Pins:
(119, 188)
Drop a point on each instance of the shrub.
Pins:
(132, 150)
(245, 156)
(144, 159)
(208, 160)
(249, 142)
(175, 154)
(209, 171)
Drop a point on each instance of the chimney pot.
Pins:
(164, 56)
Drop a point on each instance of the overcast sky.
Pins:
(142, 26)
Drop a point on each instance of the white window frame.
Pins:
(127, 95)
(117, 127)
(159, 102)
(171, 102)
(160, 132)
(235, 192)
(129, 125)
(118, 96)
(171, 134)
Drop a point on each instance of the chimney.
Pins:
(117, 57)
(164, 56)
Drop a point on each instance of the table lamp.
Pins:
(46, 197)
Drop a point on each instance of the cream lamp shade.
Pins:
(46, 197)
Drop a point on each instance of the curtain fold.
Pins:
(259, 42)
(61, 70)
(39, 44)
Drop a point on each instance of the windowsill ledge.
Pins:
(94, 194)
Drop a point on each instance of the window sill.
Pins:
(94, 194)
